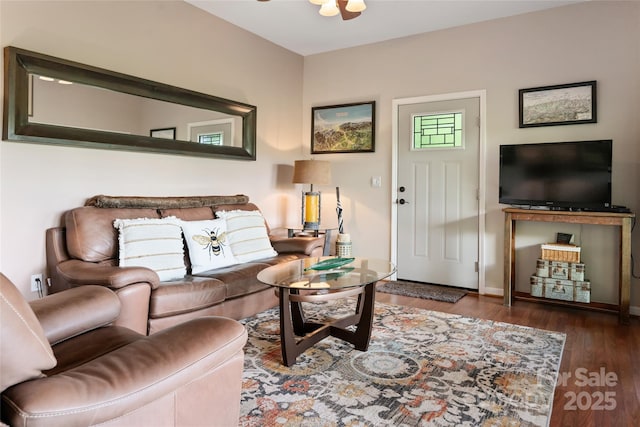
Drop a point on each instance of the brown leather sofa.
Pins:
(63, 363)
(84, 250)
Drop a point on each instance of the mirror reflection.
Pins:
(94, 108)
(50, 100)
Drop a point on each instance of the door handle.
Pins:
(403, 202)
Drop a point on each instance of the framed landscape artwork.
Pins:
(346, 128)
(566, 104)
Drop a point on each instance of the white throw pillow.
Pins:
(155, 243)
(208, 245)
(247, 235)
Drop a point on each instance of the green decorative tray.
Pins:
(329, 264)
(336, 274)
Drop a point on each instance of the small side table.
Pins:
(326, 231)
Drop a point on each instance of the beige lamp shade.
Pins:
(316, 172)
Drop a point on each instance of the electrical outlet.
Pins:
(36, 282)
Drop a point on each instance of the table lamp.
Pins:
(311, 172)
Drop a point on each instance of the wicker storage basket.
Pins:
(560, 252)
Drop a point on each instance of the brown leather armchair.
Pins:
(63, 363)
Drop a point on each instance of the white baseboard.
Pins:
(493, 291)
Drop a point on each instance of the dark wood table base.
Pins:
(293, 323)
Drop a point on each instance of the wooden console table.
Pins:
(622, 220)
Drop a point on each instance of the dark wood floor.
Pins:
(600, 362)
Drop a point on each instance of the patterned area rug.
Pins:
(421, 290)
(423, 368)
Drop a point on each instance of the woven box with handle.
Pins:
(560, 252)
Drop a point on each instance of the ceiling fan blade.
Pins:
(346, 15)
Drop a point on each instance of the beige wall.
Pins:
(169, 42)
(591, 41)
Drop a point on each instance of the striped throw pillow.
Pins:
(155, 243)
(247, 235)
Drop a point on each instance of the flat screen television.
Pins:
(557, 175)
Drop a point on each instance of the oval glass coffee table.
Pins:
(305, 280)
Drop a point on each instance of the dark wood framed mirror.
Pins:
(49, 100)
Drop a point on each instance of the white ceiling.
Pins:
(297, 26)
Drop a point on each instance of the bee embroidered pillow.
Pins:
(247, 235)
(155, 243)
(208, 244)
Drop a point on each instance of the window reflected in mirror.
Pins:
(56, 101)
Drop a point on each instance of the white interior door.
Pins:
(437, 178)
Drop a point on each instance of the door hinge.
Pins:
(476, 266)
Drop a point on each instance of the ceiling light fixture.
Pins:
(349, 9)
(356, 5)
(51, 79)
(329, 8)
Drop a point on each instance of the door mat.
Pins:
(421, 290)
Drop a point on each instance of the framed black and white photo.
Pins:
(566, 104)
(346, 128)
